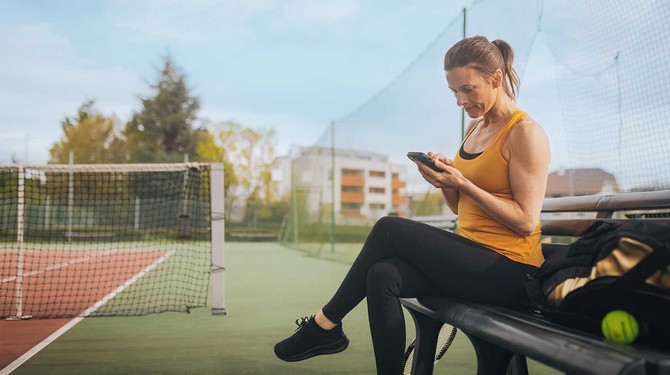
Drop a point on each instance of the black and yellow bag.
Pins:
(614, 266)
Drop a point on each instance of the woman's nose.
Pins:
(460, 99)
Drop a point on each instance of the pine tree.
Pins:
(163, 130)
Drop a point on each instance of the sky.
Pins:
(293, 65)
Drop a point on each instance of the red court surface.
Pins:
(19, 336)
(61, 283)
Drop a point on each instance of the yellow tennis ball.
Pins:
(620, 327)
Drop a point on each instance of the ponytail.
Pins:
(511, 79)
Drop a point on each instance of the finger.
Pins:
(440, 164)
(434, 155)
(427, 173)
(441, 157)
(424, 169)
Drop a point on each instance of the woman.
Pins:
(495, 183)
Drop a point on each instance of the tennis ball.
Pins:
(620, 327)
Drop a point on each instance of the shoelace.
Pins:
(301, 322)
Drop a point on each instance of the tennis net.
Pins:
(102, 240)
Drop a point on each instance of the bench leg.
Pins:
(518, 365)
(427, 331)
(491, 359)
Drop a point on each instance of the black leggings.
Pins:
(404, 258)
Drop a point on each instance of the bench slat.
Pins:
(614, 202)
(560, 347)
(575, 227)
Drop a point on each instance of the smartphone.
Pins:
(423, 158)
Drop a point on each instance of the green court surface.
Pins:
(267, 287)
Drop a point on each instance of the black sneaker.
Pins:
(310, 340)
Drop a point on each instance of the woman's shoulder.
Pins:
(526, 120)
(527, 127)
(527, 135)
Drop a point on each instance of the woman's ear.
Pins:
(497, 78)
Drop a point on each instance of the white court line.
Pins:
(75, 261)
(60, 265)
(34, 350)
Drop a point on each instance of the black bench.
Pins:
(255, 236)
(504, 337)
(93, 235)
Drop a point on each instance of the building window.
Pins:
(381, 174)
(376, 190)
(377, 206)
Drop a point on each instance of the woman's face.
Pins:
(473, 92)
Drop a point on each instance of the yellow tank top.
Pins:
(490, 171)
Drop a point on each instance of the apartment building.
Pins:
(366, 184)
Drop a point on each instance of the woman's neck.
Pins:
(501, 111)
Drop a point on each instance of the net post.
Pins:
(19, 242)
(70, 200)
(218, 238)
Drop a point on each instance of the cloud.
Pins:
(35, 41)
(307, 13)
(187, 22)
(200, 21)
(43, 81)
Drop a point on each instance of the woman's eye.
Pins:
(467, 89)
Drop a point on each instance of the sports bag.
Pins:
(614, 266)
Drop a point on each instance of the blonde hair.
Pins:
(486, 57)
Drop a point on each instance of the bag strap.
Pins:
(636, 276)
(575, 261)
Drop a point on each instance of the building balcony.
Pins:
(398, 184)
(352, 197)
(352, 180)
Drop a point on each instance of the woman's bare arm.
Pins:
(527, 149)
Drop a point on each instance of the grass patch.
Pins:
(268, 286)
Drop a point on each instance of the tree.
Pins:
(257, 158)
(163, 130)
(217, 150)
(90, 136)
(248, 156)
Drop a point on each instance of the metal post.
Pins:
(137, 212)
(70, 200)
(19, 243)
(465, 17)
(294, 203)
(47, 213)
(218, 239)
(332, 168)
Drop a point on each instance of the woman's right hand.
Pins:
(449, 178)
(451, 193)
